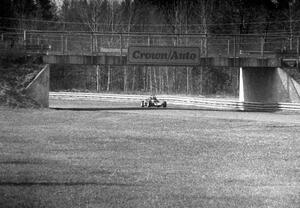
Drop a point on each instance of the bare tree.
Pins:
(127, 16)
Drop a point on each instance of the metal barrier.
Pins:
(201, 102)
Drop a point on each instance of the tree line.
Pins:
(169, 16)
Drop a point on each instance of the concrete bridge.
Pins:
(121, 60)
(260, 59)
(262, 81)
(112, 48)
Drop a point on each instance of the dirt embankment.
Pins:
(15, 75)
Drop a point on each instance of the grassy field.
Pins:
(127, 157)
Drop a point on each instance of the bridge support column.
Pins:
(267, 85)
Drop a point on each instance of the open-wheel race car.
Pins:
(152, 101)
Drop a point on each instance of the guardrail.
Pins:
(201, 102)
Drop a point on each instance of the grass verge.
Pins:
(147, 158)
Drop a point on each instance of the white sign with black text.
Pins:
(160, 55)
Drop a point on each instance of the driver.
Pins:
(153, 97)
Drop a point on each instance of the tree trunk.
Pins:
(95, 44)
(174, 79)
(155, 79)
(167, 79)
(161, 80)
(86, 79)
(150, 79)
(133, 79)
(187, 80)
(201, 80)
(144, 78)
(108, 78)
(98, 78)
(125, 79)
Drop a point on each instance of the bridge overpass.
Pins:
(112, 48)
(121, 60)
(260, 59)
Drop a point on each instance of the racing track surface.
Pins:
(103, 154)
(93, 105)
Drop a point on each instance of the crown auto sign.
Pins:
(159, 55)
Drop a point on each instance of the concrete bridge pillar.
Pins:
(267, 85)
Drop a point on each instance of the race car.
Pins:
(152, 101)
